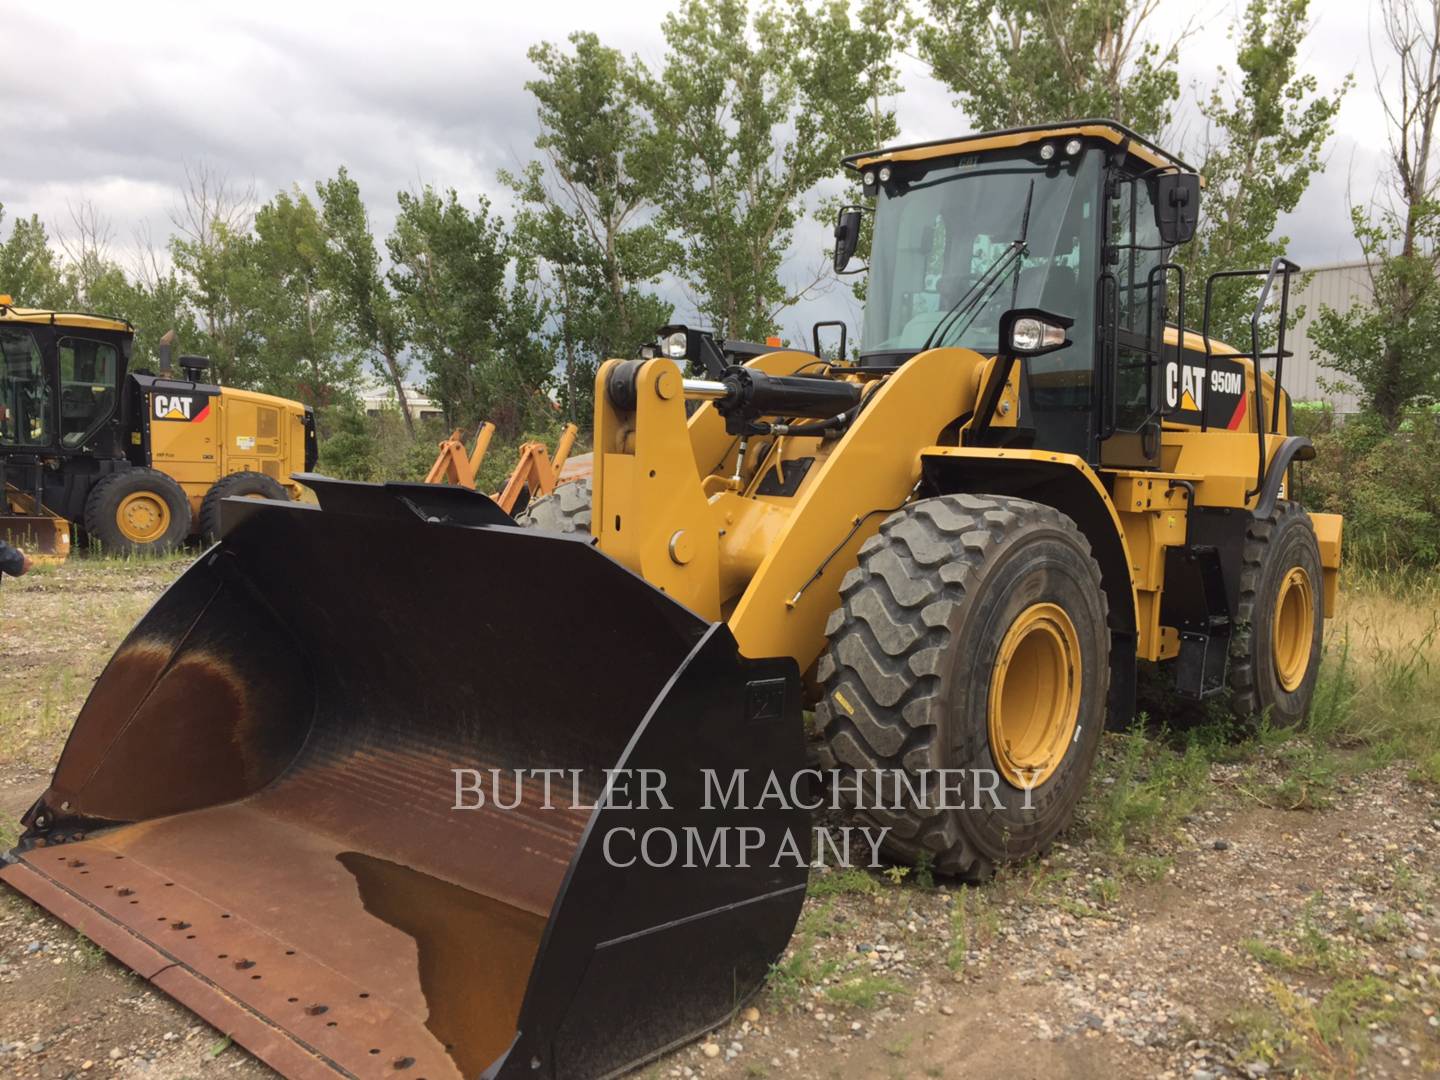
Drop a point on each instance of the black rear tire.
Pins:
(566, 510)
(247, 483)
(137, 512)
(1267, 678)
(925, 618)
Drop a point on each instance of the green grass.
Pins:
(1142, 788)
(92, 956)
(1378, 695)
(802, 969)
(1308, 948)
(862, 991)
(973, 922)
(841, 881)
(1328, 1037)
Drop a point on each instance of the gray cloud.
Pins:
(107, 103)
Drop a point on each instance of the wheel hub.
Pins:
(1035, 695)
(1294, 628)
(143, 517)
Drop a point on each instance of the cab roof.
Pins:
(1109, 130)
(82, 320)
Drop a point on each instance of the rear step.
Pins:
(256, 808)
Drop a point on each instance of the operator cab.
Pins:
(61, 377)
(1057, 220)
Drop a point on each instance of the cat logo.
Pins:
(187, 408)
(1185, 384)
(1186, 390)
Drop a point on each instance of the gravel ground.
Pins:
(1239, 940)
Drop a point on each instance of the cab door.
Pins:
(27, 400)
(1132, 299)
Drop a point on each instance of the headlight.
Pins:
(1072, 147)
(676, 345)
(1047, 151)
(869, 179)
(1032, 335)
(885, 174)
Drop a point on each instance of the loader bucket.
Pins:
(257, 806)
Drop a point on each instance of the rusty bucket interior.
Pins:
(256, 808)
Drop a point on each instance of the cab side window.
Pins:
(1137, 242)
(88, 371)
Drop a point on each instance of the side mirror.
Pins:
(1176, 197)
(1033, 332)
(847, 236)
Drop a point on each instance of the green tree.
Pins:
(351, 267)
(1389, 349)
(304, 351)
(1016, 62)
(155, 301)
(587, 221)
(30, 271)
(747, 116)
(212, 250)
(478, 338)
(1266, 140)
(223, 285)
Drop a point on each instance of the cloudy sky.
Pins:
(106, 103)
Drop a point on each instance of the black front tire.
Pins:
(121, 506)
(246, 484)
(908, 672)
(1275, 548)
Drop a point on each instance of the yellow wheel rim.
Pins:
(1035, 695)
(143, 517)
(1294, 628)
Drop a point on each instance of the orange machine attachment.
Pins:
(454, 464)
(536, 473)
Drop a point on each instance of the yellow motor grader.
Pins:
(140, 461)
(367, 846)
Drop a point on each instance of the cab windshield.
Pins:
(938, 232)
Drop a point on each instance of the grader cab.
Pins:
(956, 550)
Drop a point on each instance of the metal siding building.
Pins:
(1336, 287)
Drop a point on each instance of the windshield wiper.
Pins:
(970, 303)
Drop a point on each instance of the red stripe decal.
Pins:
(1233, 425)
(203, 413)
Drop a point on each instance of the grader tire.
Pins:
(565, 511)
(137, 512)
(924, 639)
(247, 484)
(1275, 649)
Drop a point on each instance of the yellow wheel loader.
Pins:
(139, 460)
(367, 846)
